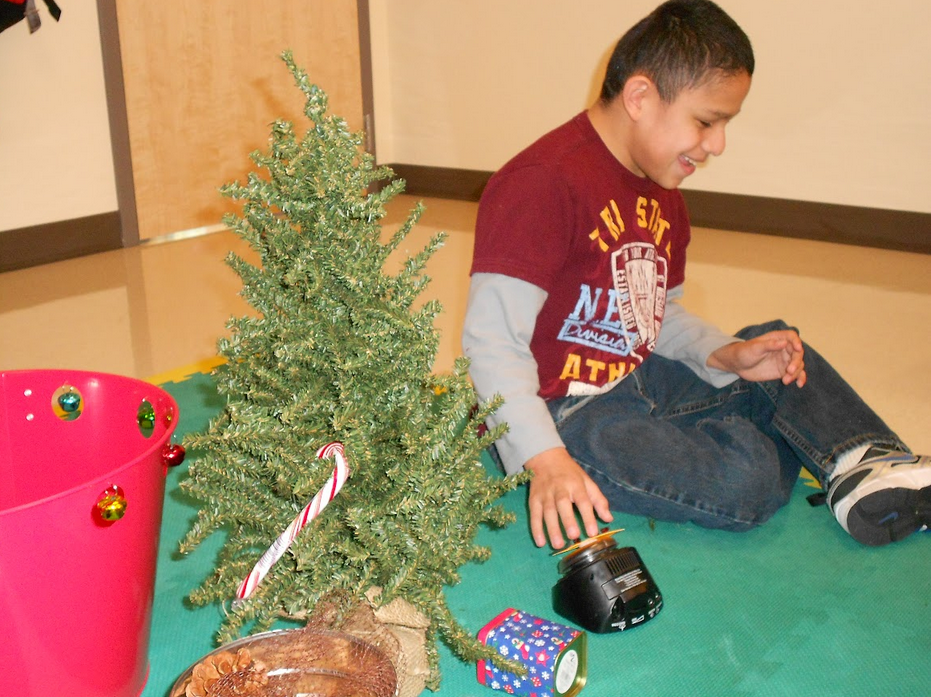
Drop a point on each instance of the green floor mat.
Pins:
(794, 608)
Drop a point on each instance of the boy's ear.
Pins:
(636, 90)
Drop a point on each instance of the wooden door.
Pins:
(203, 81)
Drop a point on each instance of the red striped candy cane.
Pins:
(320, 500)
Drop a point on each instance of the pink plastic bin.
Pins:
(76, 579)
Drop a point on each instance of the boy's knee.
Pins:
(751, 480)
(756, 330)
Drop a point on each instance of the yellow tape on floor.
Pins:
(185, 373)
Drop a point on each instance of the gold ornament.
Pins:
(111, 504)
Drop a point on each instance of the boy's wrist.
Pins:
(722, 357)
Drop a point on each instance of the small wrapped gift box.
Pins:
(554, 655)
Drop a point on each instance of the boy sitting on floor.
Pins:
(618, 398)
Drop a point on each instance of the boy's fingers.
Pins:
(569, 523)
(536, 522)
(590, 523)
(554, 529)
(536, 531)
(604, 511)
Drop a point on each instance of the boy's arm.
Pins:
(690, 339)
(719, 358)
(496, 337)
(499, 324)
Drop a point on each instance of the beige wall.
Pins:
(839, 110)
(200, 93)
(55, 157)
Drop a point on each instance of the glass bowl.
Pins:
(291, 663)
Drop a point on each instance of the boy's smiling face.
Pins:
(667, 140)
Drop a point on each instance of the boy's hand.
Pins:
(777, 355)
(559, 487)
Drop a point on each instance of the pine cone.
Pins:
(211, 676)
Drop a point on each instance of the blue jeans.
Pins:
(665, 444)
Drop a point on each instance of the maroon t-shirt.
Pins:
(605, 244)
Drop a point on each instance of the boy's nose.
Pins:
(714, 141)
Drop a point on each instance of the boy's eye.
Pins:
(704, 124)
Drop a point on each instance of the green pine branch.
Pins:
(339, 351)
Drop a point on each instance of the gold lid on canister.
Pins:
(571, 668)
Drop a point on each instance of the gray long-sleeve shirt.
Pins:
(499, 325)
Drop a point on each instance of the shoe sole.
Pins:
(883, 502)
(888, 516)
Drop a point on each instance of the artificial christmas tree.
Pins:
(338, 352)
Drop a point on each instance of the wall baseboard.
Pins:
(902, 231)
(66, 239)
(866, 227)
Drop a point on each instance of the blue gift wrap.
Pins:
(554, 655)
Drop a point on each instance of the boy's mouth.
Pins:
(688, 164)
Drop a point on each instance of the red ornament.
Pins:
(173, 454)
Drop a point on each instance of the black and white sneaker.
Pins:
(885, 498)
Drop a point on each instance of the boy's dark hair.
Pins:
(677, 46)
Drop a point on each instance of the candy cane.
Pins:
(320, 500)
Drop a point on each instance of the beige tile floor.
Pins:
(156, 311)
